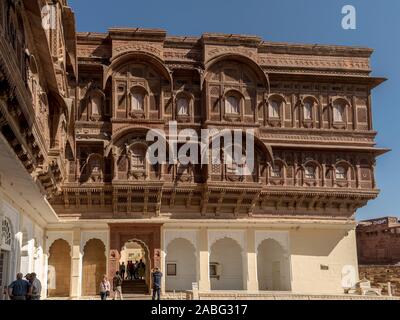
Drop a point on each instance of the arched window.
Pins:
(232, 167)
(96, 104)
(310, 172)
(182, 105)
(138, 160)
(137, 155)
(137, 102)
(308, 109)
(232, 105)
(274, 109)
(341, 173)
(338, 112)
(6, 235)
(235, 161)
(276, 171)
(95, 168)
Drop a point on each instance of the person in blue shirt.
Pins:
(19, 289)
(157, 275)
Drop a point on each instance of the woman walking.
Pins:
(104, 288)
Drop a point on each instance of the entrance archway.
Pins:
(180, 264)
(226, 265)
(273, 268)
(148, 236)
(94, 266)
(137, 278)
(59, 274)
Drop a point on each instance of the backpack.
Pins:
(117, 281)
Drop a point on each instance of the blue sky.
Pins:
(304, 21)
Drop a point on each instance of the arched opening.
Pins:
(136, 259)
(94, 266)
(180, 265)
(139, 103)
(272, 267)
(93, 169)
(59, 274)
(275, 110)
(226, 265)
(6, 248)
(54, 121)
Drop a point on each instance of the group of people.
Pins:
(133, 270)
(105, 286)
(28, 288)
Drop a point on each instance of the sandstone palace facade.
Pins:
(77, 194)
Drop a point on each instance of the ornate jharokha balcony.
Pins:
(214, 199)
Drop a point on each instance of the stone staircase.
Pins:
(135, 287)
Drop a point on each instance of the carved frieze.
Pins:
(180, 54)
(213, 51)
(120, 47)
(307, 61)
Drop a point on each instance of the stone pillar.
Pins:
(76, 268)
(251, 265)
(203, 261)
(358, 176)
(115, 163)
(114, 254)
(113, 264)
(373, 176)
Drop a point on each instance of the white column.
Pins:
(31, 252)
(76, 270)
(203, 261)
(44, 279)
(251, 261)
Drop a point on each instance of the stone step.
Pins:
(134, 287)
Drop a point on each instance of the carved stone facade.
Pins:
(310, 109)
(75, 109)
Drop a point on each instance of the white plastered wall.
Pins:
(318, 257)
(33, 261)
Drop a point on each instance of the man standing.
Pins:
(122, 269)
(157, 275)
(117, 286)
(141, 269)
(19, 289)
(36, 287)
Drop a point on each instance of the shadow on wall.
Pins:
(315, 242)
